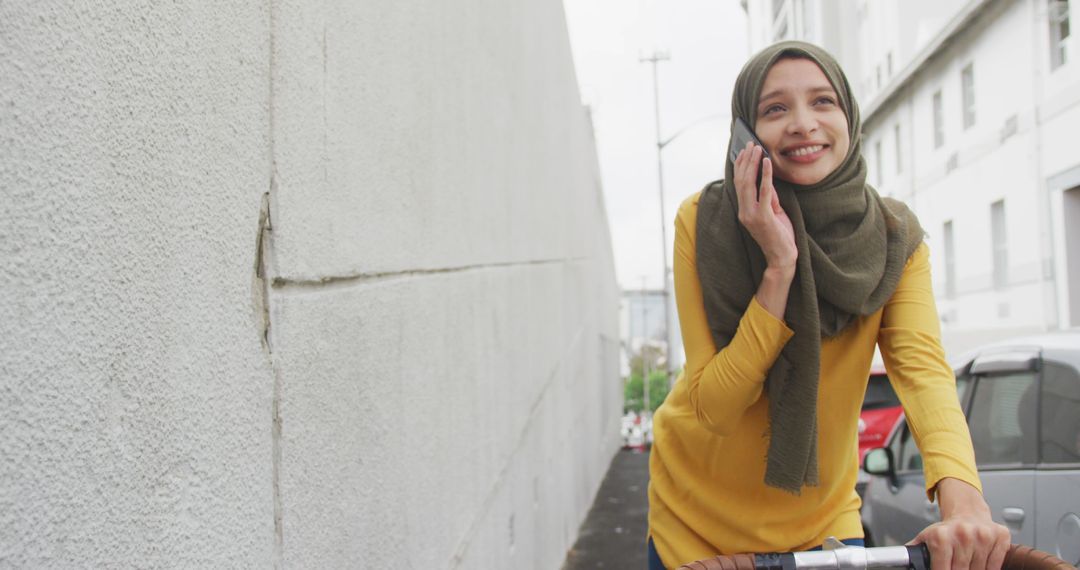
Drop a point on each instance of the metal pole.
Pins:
(655, 59)
(644, 358)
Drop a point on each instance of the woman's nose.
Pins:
(802, 121)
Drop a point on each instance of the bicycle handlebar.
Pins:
(842, 558)
(915, 557)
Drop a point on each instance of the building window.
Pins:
(967, 84)
(888, 65)
(899, 149)
(808, 23)
(939, 121)
(950, 261)
(781, 16)
(878, 164)
(878, 72)
(782, 30)
(997, 239)
(1059, 32)
(777, 7)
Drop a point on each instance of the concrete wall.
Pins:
(299, 285)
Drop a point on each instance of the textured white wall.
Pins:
(134, 394)
(297, 284)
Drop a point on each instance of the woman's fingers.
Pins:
(942, 555)
(942, 558)
(965, 545)
(977, 558)
(745, 176)
(752, 172)
(765, 220)
(1000, 550)
(750, 195)
(767, 193)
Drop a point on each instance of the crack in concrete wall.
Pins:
(262, 300)
(261, 288)
(263, 268)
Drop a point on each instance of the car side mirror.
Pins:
(879, 461)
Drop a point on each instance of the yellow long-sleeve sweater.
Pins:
(706, 490)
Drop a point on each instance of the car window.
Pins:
(963, 382)
(909, 458)
(879, 393)
(1002, 419)
(1059, 434)
(897, 440)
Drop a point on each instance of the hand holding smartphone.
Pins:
(742, 135)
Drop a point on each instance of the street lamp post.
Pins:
(645, 409)
(655, 60)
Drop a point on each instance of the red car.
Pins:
(880, 409)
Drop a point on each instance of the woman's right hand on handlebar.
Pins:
(766, 221)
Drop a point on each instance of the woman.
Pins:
(781, 301)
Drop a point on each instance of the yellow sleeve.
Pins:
(910, 342)
(721, 385)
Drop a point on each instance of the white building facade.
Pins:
(968, 112)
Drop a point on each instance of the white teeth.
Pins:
(806, 150)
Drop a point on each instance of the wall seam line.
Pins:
(284, 283)
(278, 552)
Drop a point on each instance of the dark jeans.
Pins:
(656, 564)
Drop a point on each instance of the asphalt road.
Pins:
(613, 534)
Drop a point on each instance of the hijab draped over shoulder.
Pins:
(853, 246)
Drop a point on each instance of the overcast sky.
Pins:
(706, 40)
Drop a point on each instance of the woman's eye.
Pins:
(825, 101)
(772, 109)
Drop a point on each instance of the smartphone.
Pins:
(739, 138)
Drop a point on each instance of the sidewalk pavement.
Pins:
(613, 534)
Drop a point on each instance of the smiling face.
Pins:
(801, 123)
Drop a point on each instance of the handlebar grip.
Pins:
(784, 561)
(919, 557)
(1021, 557)
(733, 562)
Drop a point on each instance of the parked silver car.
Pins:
(1022, 400)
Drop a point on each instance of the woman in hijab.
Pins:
(782, 299)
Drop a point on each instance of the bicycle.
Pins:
(838, 556)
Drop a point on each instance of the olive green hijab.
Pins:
(852, 244)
